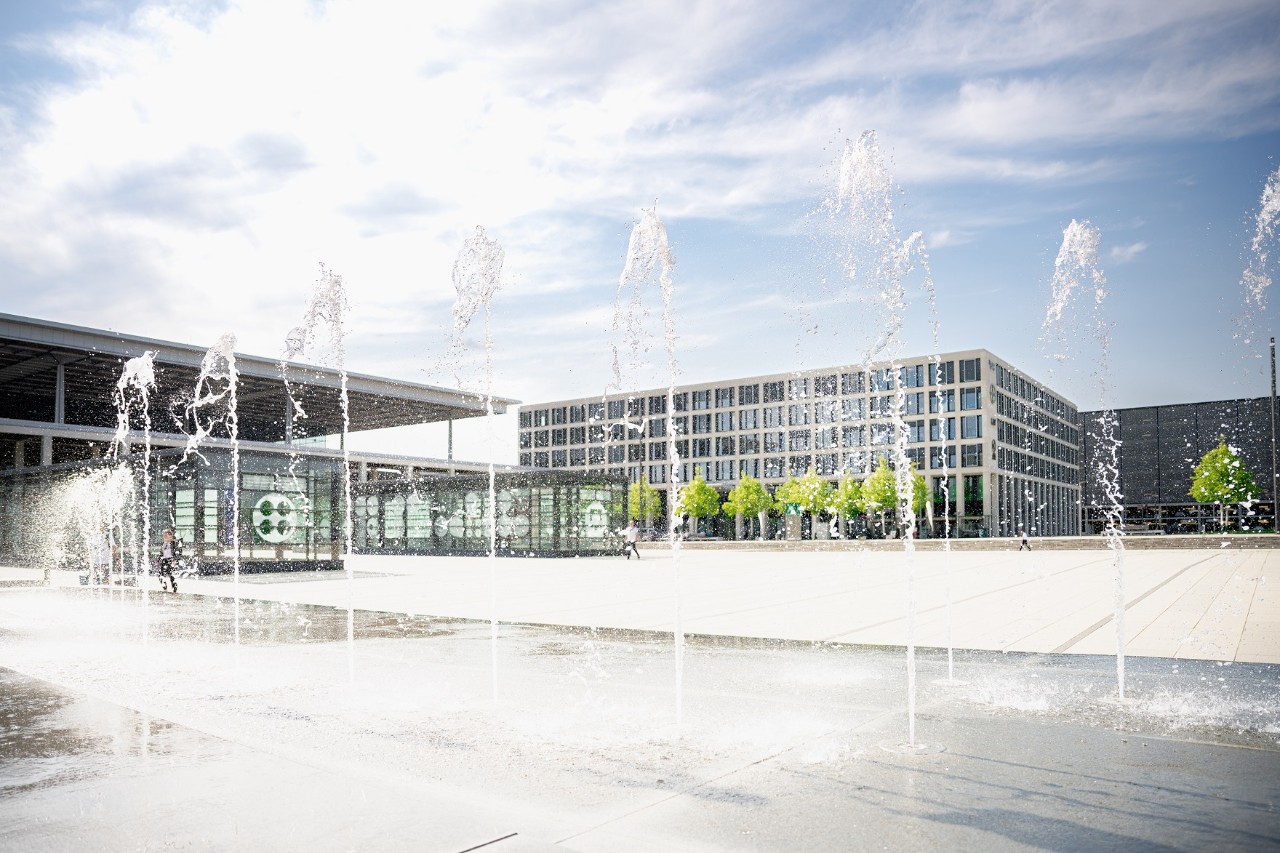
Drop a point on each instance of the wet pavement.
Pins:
(137, 722)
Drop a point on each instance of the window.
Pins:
(970, 399)
(916, 456)
(635, 452)
(635, 407)
(657, 405)
(943, 373)
(617, 453)
(526, 459)
(799, 465)
(724, 421)
(559, 459)
(798, 389)
(749, 419)
(914, 403)
(936, 456)
(915, 431)
(578, 457)
(657, 451)
(657, 427)
(913, 376)
(701, 447)
(971, 426)
(701, 400)
(942, 401)
(657, 473)
(882, 433)
(883, 407)
(541, 418)
(882, 379)
(541, 438)
(595, 433)
(773, 467)
(773, 416)
(680, 425)
(749, 467)
(682, 448)
(799, 439)
(617, 432)
(526, 440)
(854, 436)
(724, 397)
(725, 471)
(701, 424)
(798, 414)
(724, 446)
(577, 414)
(559, 415)
(826, 438)
(854, 410)
(973, 494)
(681, 401)
(749, 443)
(827, 464)
(970, 370)
(826, 412)
(824, 386)
(577, 435)
(749, 395)
(526, 419)
(542, 459)
(854, 463)
(942, 429)
(852, 383)
(971, 456)
(617, 408)
(774, 442)
(595, 411)
(773, 392)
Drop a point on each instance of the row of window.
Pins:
(779, 391)
(1035, 442)
(1013, 383)
(1035, 466)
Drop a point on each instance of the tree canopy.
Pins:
(642, 500)
(749, 497)
(847, 499)
(1221, 478)
(698, 500)
(811, 492)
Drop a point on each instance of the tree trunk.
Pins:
(764, 521)
(737, 526)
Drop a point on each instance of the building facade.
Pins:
(1159, 448)
(1006, 446)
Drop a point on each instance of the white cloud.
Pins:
(1125, 254)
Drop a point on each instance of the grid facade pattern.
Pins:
(1002, 439)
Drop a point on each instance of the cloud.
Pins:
(1125, 254)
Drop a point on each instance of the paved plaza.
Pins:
(785, 722)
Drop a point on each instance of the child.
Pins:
(170, 551)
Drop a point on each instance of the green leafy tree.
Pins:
(749, 497)
(643, 501)
(880, 491)
(1222, 479)
(698, 500)
(810, 492)
(846, 500)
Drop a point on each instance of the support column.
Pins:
(19, 454)
(46, 450)
(60, 395)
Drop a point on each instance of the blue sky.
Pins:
(179, 169)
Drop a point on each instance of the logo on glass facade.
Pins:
(274, 518)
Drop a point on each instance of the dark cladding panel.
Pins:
(1090, 438)
(1139, 456)
(1179, 443)
(1253, 438)
(1214, 420)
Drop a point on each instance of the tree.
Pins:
(880, 490)
(642, 501)
(1222, 479)
(810, 492)
(749, 497)
(698, 500)
(846, 501)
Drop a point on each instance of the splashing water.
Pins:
(327, 308)
(1256, 280)
(1075, 272)
(215, 392)
(878, 261)
(648, 252)
(477, 274)
(133, 388)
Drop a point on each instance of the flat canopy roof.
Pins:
(31, 351)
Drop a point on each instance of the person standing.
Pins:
(632, 538)
(1025, 543)
(169, 553)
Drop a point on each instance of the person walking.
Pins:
(169, 553)
(632, 536)
(1025, 543)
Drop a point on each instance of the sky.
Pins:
(183, 169)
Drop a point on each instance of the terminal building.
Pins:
(1008, 446)
(270, 493)
(1159, 448)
